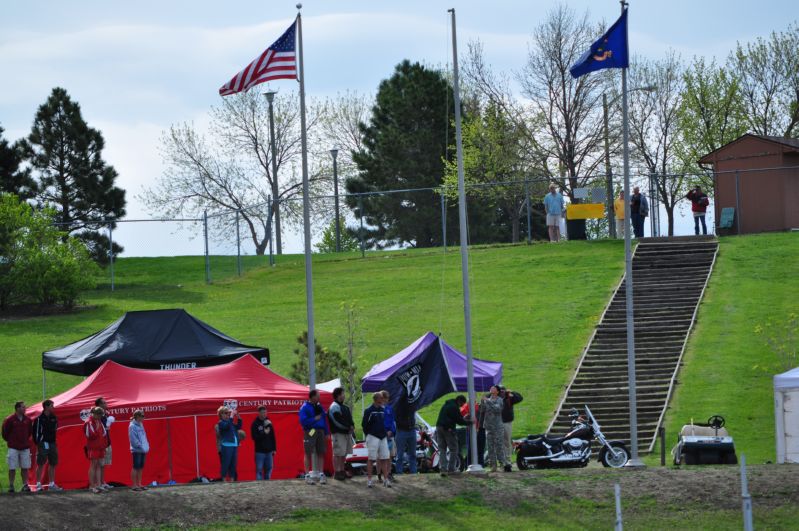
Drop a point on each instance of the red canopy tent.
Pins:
(180, 408)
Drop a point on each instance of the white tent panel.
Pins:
(786, 416)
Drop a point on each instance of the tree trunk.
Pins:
(670, 217)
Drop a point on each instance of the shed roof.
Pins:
(791, 143)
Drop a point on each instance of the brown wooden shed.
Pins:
(758, 176)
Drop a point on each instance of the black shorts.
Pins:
(138, 460)
(47, 455)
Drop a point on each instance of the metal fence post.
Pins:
(529, 213)
(207, 258)
(444, 222)
(738, 202)
(662, 435)
(617, 494)
(360, 231)
(238, 244)
(746, 499)
(111, 252)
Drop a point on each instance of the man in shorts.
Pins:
(107, 421)
(553, 204)
(17, 430)
(342, 427)
(313, 420)
(44, 432)
(374, 427)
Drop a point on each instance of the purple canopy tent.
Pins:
(427, 369)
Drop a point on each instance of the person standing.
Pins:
(391, 429)
(553, 204)
(509, 399)
(618, 210)
(481, 434)
(44, 433)
(492, 406)
(263, 435)
(448, 418)
(108, 420)
(17, 431)
(341, 428)
(699, 203)
(96, 444)
(639, 210)
(229, 425)
(405, 441)
(313, 420)
(139, 447)
(374, 427)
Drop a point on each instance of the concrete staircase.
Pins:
(669, 279)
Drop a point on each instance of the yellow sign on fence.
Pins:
(585, 211)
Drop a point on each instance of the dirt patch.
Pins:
(198, 504)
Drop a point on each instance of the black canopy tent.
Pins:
(152, 339)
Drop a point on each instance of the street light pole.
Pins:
(334, 154)
(608, 174)
(270, 96)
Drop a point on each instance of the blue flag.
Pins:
(609, 51)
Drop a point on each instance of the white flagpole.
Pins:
(474, 467)
(635, 461)
(306, 215)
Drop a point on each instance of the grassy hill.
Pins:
(533, 308)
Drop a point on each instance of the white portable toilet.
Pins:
(786, 415)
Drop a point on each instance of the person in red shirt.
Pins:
(699, 203)
(481, 434)
(96, 443)
(17, 431)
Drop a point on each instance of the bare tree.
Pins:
(653, 120)
(571, 109)
(230, 169)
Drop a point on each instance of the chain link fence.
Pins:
(231, 242)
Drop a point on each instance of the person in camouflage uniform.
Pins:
(491, 407)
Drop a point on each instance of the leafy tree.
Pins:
(768, 73)
(405, 144)
(14, 180)
(39, 264)
(66, 157)
(495, 151)
(348, 241)
(330, 364)
(710, 115)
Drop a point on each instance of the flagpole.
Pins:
(474, 467)
(306, 214)
(635, 461)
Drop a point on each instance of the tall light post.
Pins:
(270, 96)
(608, 171)
(334, 154)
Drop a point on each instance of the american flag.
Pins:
(279, 61)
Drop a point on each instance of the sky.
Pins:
(138, 67)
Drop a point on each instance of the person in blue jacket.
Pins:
(391, 428)
(228, 428)
(313, 420)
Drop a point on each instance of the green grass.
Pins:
(533, 307)
(474, 510)
(728, 368)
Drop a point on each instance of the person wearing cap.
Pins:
(139, 446)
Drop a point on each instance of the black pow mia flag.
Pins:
(424, 380)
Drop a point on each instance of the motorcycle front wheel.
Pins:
(615, 459)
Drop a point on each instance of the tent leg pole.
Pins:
(44, 385)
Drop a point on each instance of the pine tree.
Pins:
(404, 147)
(66, 156)
(14, 180)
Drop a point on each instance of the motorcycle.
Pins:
(572, 450)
